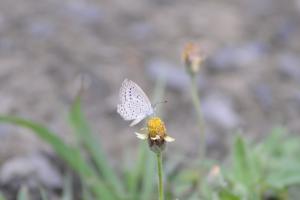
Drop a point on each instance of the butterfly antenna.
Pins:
(154, 106)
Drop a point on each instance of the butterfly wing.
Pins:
(135, 105)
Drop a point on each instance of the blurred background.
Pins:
(248, 83)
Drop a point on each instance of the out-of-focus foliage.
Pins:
(88, 160)
(265, 170)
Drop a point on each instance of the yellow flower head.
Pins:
(156, 134)
(192, 57)
(156, 128)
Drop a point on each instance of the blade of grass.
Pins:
(244, 168)
(142, 175)
(241, 163)
(136, 174)
(71, 155)
(84, 134)
(23, 194)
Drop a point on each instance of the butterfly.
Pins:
(135, 105)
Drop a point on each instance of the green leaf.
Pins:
(84, 135)
(284, 178)
(247, 170)
(71, 155)
(136, 174)
(241, 162)
(270, 144)
(228, 195)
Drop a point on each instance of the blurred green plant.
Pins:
(94, 170)
(267, 170)
(87, 159)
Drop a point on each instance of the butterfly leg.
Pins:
(137, 120)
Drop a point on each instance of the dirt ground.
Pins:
(249, 82)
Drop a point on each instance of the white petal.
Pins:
(169, 139)
(141, 136)
(155, 138)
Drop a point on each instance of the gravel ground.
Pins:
(250, 81)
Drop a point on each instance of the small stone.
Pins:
(84, 12)
(264, 97)
(32, 170)
(175, 76)
(141, 31)
(233, 57)
(219, 110)
(41, 29)
(289, 67)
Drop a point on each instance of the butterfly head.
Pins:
(155, 106)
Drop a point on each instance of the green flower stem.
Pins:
(160, 178)
(200, 121)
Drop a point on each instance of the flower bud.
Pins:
(215, 178)
(192, 58)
